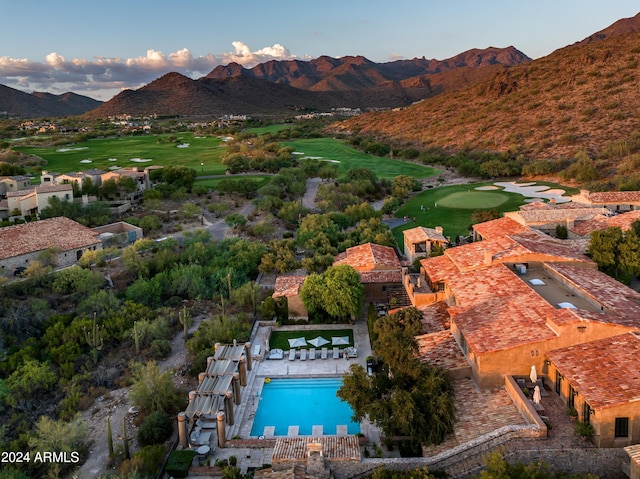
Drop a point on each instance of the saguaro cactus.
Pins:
(127, 455)
(95, 338)
(109, 437)
(185, 319)
(136, 336)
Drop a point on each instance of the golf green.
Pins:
(473, 200)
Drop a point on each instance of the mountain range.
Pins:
(580, 97)
(16, 103)
(279, 88)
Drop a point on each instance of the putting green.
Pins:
(473, 200)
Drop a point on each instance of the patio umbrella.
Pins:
(297, 342)
(340, 341)
(536, 395)
(318, 342)
(533, 375)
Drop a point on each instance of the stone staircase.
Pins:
(397, 297)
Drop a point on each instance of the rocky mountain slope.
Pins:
(16, 103)
(581, 97)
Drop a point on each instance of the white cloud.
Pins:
(57, 74)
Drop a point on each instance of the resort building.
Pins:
(289, 287)
(22, 244)
(518, 294)
(419, 241)
(615, 201)
(379, 268)
(601, 380)
(14, 183)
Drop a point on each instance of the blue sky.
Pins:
(97, 48)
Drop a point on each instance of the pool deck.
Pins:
(261, 369)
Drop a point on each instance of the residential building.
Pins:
(518, 294)
(601, 380)
(289, 286)
(34, 200)
(615, 201)
(14, 183)
(24, 243)
(420, 241)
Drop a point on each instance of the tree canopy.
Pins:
(407, 397)
(336, 293)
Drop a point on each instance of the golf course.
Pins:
(335, 151)
(203, 154)
(451, 206)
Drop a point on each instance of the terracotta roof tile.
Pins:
(60, 232)
(367, 277)
(612, 197)
(288, 285)
(623, 221)
(333, 448)
(441, 349)
(369, 256)
(421, 233)
(606, 372)
(500, 227)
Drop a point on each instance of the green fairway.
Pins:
(473, 200)
(202, 153)
(212, 183)
(451, 207)
(335, 151)
(268, 129)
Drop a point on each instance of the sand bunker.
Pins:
(531, 190)
(183, 145)
(114, 167)
(297, 153)
(85, 161)
(62, 150)
(112, 159)
(486, 188)
(140, 160)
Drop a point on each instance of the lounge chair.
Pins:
(323, 353)
(312, 353)
(292, 354)
(336, 353)
(303, 355)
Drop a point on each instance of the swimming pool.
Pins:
(304, 403)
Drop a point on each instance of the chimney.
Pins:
(570, 224)
(438, 229)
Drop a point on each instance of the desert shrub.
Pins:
(179, 462)
(156, 428)
(160, 348)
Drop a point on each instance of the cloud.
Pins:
(57, 74)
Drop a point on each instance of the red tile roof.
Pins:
(441, 349)
(606, 372)
(416, 235)
(369, 256)
(333, 448)
(36, 236)
(288, 285)
(600, 222)
(612, 197)
(367, 277)
(500, 227)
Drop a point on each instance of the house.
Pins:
(141, 178)
(119, 233)
(14, 183)
(518, 294)
(33, 200)
(379, 268)
(419, 241)
(289, 287)
(601, 380)
(615, 201)
(22, 244)
(94, 174)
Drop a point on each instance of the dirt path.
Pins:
(117, 405)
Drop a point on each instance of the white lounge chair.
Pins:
(312, 353)
(292, 354)
(336, 353)
(303, 355)
(323, 353)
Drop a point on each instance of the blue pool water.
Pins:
(304, 403)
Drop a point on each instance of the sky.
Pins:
(98, 48)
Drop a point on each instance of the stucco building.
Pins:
(22, 244)
(421, 240)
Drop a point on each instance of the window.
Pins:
(586, 413)
(622, 427)
(571, 400)
(558, 382)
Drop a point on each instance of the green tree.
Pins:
(337, 292)
(153, 390)
(407, 397)
(603, 247)
(499, 468)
